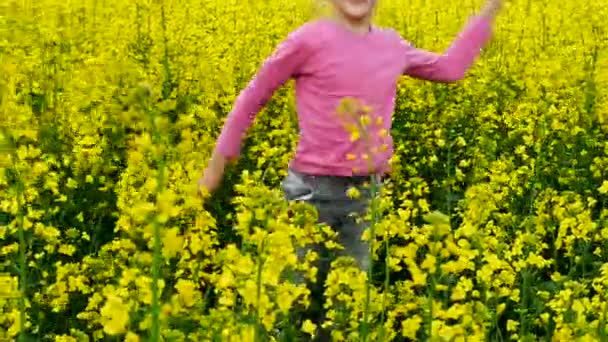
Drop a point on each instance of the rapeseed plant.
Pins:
(103, 238)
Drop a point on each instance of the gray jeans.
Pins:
(328, 194)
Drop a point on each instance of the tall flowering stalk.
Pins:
(374, 189)
(155, 122)
(358, 122)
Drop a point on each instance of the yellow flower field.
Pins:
(492, 227)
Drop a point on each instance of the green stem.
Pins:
(156, 260)
(22, 265)
(430, 294)
(259, 294)
(20, 189)
(372, 238)
(449, 174)
(167, 86)
(386, 277)
(524, 303)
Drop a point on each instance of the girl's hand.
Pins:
(492, 7)
(212, 177)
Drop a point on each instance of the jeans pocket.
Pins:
(295, 188)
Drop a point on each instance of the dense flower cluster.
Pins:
(493, 225)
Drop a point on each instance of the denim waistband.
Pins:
(354, 180)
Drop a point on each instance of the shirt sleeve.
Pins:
(453, 64)
(285, 62)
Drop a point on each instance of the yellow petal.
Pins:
(309, 327)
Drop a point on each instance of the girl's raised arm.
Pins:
(452, 65)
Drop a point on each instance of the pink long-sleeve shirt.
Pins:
(329, 63)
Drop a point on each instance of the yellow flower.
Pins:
(604, 188)
(512, 325)
(141, 210)
(9, 287)
(309, 327)
(166, 310)
(187, 291)
(468, 229)
(364, 120)
(15, 316)
(166, 206)
(348, 105)
(247, 333)
(226, 279)
(249, 291)
(501, 308)
(418, 277)
(429, 263)
(131, 337)
(67, 249)
(379, 121)
(173, 243)
(285, 297)
(195, 244)
(410, 327)
(115, 316)
(353, 193)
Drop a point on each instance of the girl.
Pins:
(342, 56)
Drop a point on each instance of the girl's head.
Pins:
(354, 10)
